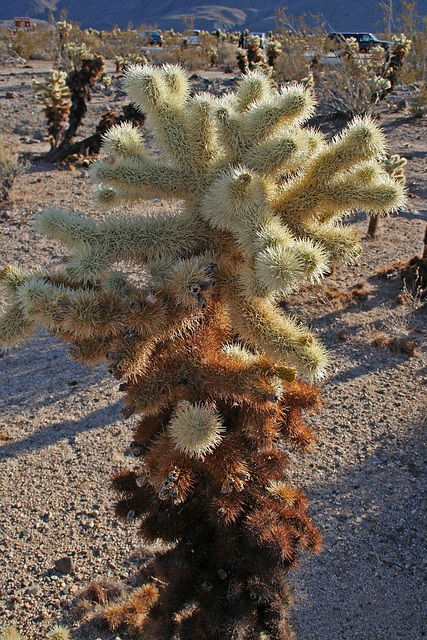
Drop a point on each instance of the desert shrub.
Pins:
(226, 55)
(414, 25)
(177, 50)
(36, 43)
(10, 167)
(352, 83)
(302, 45)
(418, 103)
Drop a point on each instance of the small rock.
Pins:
(64, 565)
(343, 335)
(11, 95)
(32, 589)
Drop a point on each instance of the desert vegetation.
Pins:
(223, 222)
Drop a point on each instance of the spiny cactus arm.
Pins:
(283, 153)
(191, 281)
(135, 178)
(237, 201)
(38, 298)
(11, 278)
(70, 229)
(201, 126)
(341, 244)
(259, 321)
(293, 104)
(124, 141)
(360, 141)
(57, 633)
(284, 267)
(137, 238)
(15, 326)
(229, 379)
(254, 87)
(31, 303)
(367, 187)
(240, 131)
(303, 196)
(90, 313)
(162, 92)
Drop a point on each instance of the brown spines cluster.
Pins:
(235, 520)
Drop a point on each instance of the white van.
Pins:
(262, 38)
(193, 37)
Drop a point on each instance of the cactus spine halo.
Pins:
(207, 358)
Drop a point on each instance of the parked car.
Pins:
(193, 36)
(152, 38)
(366, 41)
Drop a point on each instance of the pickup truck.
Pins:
(366, 41)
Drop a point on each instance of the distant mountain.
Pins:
(231, 15)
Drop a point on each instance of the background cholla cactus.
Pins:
(55, 95)
(77, 52)
(273, 50)
(206, 357)
(394, 166)
(242, 60)
(256, 57)
(57, 633)
(80, 82)
(252, 58)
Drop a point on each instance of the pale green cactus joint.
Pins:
(261, 203)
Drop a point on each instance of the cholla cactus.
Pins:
(400, 48)
(55, 95)
(242, 60)
(78, 52)
(57, 633)
(256, 57)
(122, 62)
(394, 167)
(80, 82)
(206, 357)
(273, 50)
(119, 61)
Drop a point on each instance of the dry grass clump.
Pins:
(343, 298)
(91, 602)
(111, 605)
(10, 167)
(397, 345)
(413, 273)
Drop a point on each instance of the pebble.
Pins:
(65, 565)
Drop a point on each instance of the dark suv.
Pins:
(151, 38)
(366, 41)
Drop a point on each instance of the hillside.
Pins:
(231, 15)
